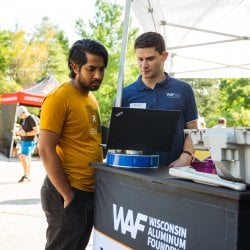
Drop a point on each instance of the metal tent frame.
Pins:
(205, 39)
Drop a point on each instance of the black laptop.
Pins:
(142, 129)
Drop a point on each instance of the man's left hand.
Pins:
(184, 160)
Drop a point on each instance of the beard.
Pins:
(91, 86)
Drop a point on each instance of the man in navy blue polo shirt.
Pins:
(155, 89)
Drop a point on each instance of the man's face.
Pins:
(22, 115)
(91, 74)
(150, 62)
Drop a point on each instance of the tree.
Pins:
(26, 58)
(235, 101)
(229, 98)
(6, 83)
(5, 55)
(207, 98)
(107, 27)
(52, 41)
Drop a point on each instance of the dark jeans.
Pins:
(69, 228)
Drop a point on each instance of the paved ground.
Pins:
(22, 221)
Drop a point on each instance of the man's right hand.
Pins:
(68, 199)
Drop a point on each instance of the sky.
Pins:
(27, 14)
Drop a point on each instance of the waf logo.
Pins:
(173, 95)
(128, 222)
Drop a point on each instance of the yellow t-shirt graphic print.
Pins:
(94, 119)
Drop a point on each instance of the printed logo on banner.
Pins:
(160, 234)
(127, 222)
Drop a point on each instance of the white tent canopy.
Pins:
(205, 38)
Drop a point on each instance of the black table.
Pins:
(148, 209)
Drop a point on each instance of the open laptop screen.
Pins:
(142, 129)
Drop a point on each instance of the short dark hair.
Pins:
(222, 120)
(77, 53)
(150, 39)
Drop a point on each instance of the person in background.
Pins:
(28, 131)
(155, 89)
(221, 123)
(201, 123)
(70, 134)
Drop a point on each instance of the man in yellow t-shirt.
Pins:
(70, 134)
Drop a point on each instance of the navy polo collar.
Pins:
(162, 83)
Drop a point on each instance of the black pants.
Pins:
(69, 228)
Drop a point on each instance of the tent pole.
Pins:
(123, 54)
(13, 130)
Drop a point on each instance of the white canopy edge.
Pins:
(205, 39)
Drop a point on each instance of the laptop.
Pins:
(142, 129)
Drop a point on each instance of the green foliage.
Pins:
(207, 98)
(6, 84)
(235, 101)
(55, 46)
(5, 54)
(26, 58)
(229, 98)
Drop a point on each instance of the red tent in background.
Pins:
(23, 98)
(33, 96)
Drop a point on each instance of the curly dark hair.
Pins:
(77, 53)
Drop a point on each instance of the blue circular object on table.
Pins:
(132, 161)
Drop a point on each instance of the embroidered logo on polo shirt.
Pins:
(173, 95)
